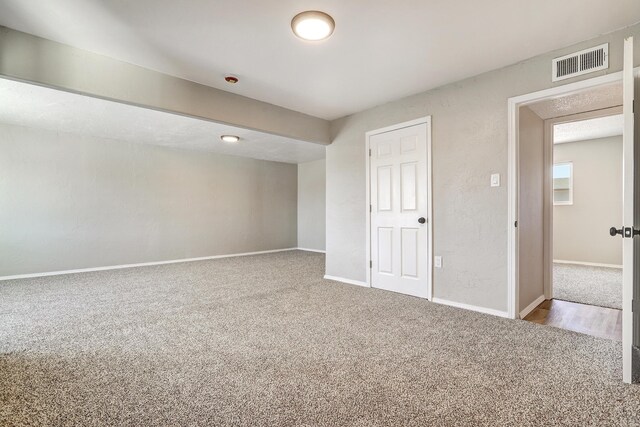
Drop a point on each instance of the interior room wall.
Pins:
(70, 202)
(531, 208)
(581, 230)
(311, 205)
(469, 135)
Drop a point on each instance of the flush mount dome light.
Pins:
(230, 138)
(313, 25)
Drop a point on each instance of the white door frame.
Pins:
(514, 104)
(423, 120)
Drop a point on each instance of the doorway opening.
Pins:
(570, 194)
(582, 198)
(569, 184)
(587, 202)
(531, 211)
(399, 208)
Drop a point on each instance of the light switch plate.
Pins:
(495, 180)
(437, 261)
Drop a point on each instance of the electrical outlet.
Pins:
(437, 261)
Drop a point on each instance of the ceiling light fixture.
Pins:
(313, 25)
(230, 138)
(231, 79)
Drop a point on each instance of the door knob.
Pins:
(613, 231)
(421, 220)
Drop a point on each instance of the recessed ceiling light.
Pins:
(231, 79)
(230, 138)
(312, 25)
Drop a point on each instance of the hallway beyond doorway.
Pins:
(601, 322)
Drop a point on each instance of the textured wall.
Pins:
(469, 144)
(69, 202)
(311, 205)
(581, 230)
(531, 208)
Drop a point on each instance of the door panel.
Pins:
(410, 242)
(398, 186)
(385, 250)
(635, 359)
(384, 188)
(628, 213)
(409, 186)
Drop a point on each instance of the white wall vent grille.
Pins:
(579, 63)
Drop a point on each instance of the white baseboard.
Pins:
(348, 281)
(142, 264)
(590, 264)
(471, 307)
(532, 306)
(312, 250)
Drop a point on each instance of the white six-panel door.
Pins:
(398, 195)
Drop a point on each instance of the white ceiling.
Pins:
(380, 50)
(584, 130)
(24, 104)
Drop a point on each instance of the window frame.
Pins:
(570, 201)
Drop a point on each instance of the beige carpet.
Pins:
(601, 286)
(265, 341)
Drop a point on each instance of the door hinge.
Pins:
(369, 152)
(515, 224)
(635, 306)
(370, 208)
(370, 264)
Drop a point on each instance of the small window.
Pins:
(563, 184)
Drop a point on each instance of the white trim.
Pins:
(397, 126)
(423, 120)
(532, 306)
(589, 264)
(547, 214)
(628, 211)
(312, 250)
(484, 310)
(429, 211)
(512, 214)
(141, 264)
(513, 117)
(347, 281)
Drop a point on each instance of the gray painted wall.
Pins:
(34, 59)
(531, 208)
(581, 230)
(469, 143)
(311, 205)
(69, 202)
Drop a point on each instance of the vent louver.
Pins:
(583, 62)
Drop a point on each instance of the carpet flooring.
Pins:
(265, 341)
(599, 286)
